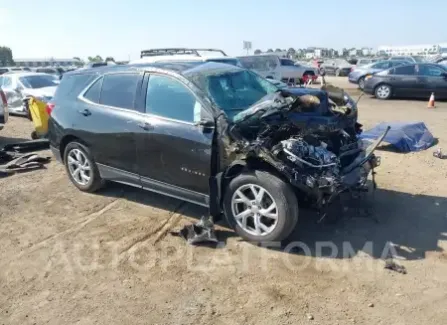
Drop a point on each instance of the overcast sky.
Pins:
(64, 29)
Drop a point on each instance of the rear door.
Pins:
(404, 81)
(108, 120)
(433, 80)
(174, 154)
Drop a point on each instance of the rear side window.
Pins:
(7, 82)
(118, 90)
(169, 98)
(430, 71)
(72, 85)
(407, 70)
(2, 71)
(93, 93)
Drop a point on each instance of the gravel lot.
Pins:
(108, 258)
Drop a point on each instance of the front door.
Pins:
(174, 154)
(405, 82)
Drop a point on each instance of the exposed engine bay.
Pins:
(311, 139)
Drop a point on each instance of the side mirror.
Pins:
(205, 125)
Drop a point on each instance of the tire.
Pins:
(362, 83)
(276, 192)
(34, 135)
(337, 72)
(383, 92)
(75, 151)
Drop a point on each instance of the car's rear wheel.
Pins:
(383, 91)
(362, 83)
(261, 207)
(81, 167)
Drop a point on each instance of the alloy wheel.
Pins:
(383, 92)
(254, 209)
(362, 83)
(79, 167)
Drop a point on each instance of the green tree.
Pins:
(278, 50)
(291, 53)
(97, 58)
(258, 51)
(109, 58)
(269, 51)
(5, 56)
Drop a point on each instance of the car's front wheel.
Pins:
(260, 207)
(362, 83)
(383, 91)
(81, 167)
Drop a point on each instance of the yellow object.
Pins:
(39, 116)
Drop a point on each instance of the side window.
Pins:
(430, 71)
(407, 70)
(7, 82)
(169, 98)
(92, 94)
(118, 90)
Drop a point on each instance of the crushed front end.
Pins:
(311, 138)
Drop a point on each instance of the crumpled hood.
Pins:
(318, 117)
(47, 92)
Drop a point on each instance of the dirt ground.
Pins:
(68, 257)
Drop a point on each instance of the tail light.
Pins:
(49, 108)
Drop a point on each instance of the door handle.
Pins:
(85, 112)
(145, 126)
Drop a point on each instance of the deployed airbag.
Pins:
(404, 136)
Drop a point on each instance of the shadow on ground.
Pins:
(413, 224)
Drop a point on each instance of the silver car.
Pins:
(19, 86)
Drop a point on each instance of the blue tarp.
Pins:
(405, 136)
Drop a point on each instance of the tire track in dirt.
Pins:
(90, 217)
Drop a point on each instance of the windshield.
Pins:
(227, 61)
(38, 81)
(238, 90)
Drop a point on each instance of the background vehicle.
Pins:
(337, 67)
(409, 58)
(411, 81)
(9, 69)
(185, 54)
(18, 86)
(366, 61)
(121, 111)
(266, 65)
(4, 112)
(357, 76)
(53, 71)
(273, 67)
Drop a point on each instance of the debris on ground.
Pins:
(371, 305)
(19, 163)
(27, 146)
(310, 317)
(404, 136)
(393, 266)
(202, 231)
(439, 154)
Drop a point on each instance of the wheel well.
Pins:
(239, 167)
(66, 140)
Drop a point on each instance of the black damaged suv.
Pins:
(211, 134)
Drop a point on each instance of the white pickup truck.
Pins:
(273, 67)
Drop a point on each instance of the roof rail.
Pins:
(177, 51)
